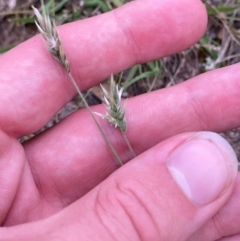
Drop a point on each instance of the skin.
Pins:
(53, 187)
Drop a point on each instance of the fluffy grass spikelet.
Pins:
(115, 111)
(48, 29)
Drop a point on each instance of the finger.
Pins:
(165, 194)
(137, 32)
(11, 167)
(159, 115)
(233, 238)
(225, 223)
(207, 102)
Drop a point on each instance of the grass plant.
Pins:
(48, 29)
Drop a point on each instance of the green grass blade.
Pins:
(144, 75)
(5, 49)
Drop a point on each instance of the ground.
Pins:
(219, 47)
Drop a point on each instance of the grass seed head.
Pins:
(48, 29)
(115, 111)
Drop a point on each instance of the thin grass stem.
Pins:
(92, 115)
(128, 143)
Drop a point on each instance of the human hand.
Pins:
(63, 171)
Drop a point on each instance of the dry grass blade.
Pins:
(222, 17)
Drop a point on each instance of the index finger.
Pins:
(34, 86)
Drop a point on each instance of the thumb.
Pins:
(166, 194)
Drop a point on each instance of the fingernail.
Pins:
(203, 167)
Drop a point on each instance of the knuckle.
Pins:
(127, 207)
(128, 35)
